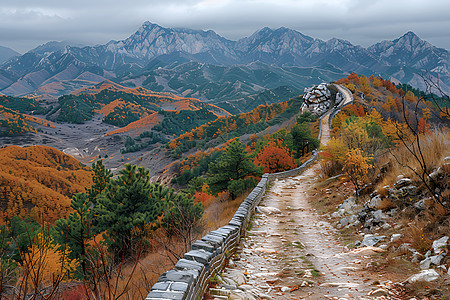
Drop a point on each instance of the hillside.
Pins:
(123, 105)
(39, 181)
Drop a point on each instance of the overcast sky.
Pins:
(25, 24)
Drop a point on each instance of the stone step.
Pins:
(219, 292)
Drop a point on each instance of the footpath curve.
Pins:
(190, 277)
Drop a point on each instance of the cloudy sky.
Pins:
(25, 24)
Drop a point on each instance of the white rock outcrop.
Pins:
(316, 99)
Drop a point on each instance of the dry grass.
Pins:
(419, 241)
(219, 212)
(386, 204)
(435, 147)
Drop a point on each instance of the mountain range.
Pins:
(205, 65)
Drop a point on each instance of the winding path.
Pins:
(292, 253)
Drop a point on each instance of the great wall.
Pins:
(189, 278)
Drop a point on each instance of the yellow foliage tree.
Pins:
(365, 86)
(356, 167)
(44, 265)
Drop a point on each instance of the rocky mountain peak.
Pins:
(410, 41)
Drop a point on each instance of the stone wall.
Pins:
(190, 277)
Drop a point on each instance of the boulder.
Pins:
(440, 244)
(424, 275)
(348, 204)
(371, 240)
(348, 220)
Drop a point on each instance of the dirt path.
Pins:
(292, 253)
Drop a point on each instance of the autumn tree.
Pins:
(233, 165)
(411, 137)
(356, 167)
(365, 86)
(275, 158)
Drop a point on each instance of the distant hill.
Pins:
(39, 181)
(7, 53)
(121, 105)
(204, 65)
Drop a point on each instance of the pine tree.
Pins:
(302, 138)
(100, 178)
(126, 206)
(77, 229)
(234, 164)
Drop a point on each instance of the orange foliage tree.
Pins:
(275, 158)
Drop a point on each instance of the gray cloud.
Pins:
(27, 23)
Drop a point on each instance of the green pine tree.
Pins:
(100, 179)
(126, 205)
(77, 229)
(233, 165)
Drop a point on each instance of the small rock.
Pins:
(393, 212)
(425, 275)
(269, 210)
(420, 205)
(379, 216)
(384, 247)
(368, 222)
(399, 177)
(402, 182)
(378, 293)
(348, 219)
(440, 244)
(348, 204)
(435, 174)
(428, 254)
(436, 259)
(375, 202)
(371, 240)
(410, 190)
(386, 226)
(338, 214)
(357, 223)
(245, 287)
(307, 274)
(304, 283)
(265, 250)
(395, 237)
(285, 289)
(425, 264)
(236, 276)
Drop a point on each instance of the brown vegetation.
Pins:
(39, 181)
